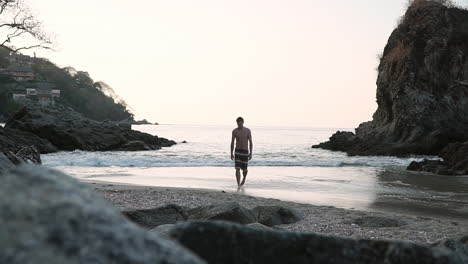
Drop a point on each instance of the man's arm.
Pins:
(250, 145)
(232, 145)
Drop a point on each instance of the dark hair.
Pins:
(240, 119)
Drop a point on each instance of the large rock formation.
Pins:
(48, 217)
(69, 130)
(422, 87)
(223, 242)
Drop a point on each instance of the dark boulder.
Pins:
(13, 140)
(227, 211)
(134, 145)
(422, 88)
(151, 218)
(49, 217)
(69, 130)
(276, 215)
(455, 161)
(223, 242)
(163, 229)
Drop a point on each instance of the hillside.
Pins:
(28, 80)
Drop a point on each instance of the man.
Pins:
(243, 138)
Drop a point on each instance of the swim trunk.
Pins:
(241, 158)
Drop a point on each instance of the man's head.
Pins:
(240, 122)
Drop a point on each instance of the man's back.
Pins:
(242, 136)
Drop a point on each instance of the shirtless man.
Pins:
(243, 138)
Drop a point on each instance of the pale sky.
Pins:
(282, 63)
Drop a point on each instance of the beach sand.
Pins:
(319, 219)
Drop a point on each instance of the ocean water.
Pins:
(284, 166)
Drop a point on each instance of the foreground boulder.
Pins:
(151, 218)
(276, 215)
(422, 87)
(223, 242)
(227, 211)
(69, 130)
(48, 217)
(455, 161)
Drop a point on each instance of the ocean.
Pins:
(284, 166)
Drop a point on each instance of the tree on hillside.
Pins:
(19, 28)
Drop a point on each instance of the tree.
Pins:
(19, 28)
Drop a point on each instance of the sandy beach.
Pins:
(320, 219)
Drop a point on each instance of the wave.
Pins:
(150, 159)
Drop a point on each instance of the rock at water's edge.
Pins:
(69, 130)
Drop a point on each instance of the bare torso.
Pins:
(242, 136)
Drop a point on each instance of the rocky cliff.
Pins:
(422, 87)
(69, 130)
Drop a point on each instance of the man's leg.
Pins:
(238, 176)
(244, 172)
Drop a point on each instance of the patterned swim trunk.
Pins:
(241, 158)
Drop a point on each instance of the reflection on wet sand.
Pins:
(421, 194)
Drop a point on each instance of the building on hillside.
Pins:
(43, 93)
(20, 73)
(19, 94)
(20, 59)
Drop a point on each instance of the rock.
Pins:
(151, 218)
(5, 164)
(134, 145)
(455, 161)
(13, 140)
(24, 155)
(377, 221)
(69, 130)
(421, 87)
(227, 211)
(49, 217)
(458, 247)
(276, 215)
(223, 242)
(163, 229)
(29, 155)
(259, 226)
(184, 142)
(142, 122)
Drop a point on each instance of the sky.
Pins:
(303, 63)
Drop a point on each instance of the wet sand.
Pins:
(360, 188)
(320, 219)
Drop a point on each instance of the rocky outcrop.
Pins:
(48, 217)
(227, 211)
(151, 218)
(276, 215)
(422, 87)
(455, 161)
(69, 130)
(223, 242)
(13, 140)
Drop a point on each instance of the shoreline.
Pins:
(327, 220)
